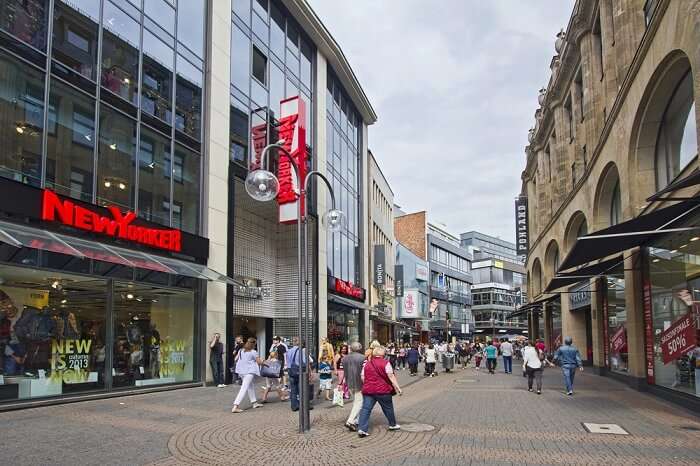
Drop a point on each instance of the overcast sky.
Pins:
(454, 84)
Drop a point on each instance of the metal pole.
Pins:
(303, 385)
(307, 316)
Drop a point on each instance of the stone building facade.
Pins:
(617, 123)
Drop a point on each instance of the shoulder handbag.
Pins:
(271, 369)
(383, 375)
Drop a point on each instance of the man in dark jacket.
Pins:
(352, 364)
(216, 360)
(413, 357)
(237, 345)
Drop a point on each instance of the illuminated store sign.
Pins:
(119, 225)
(292, 130)
(341, 287)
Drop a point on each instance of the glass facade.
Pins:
(617, 325)
(344, 324)
(448, 259)
(344, 159)
(271, 60)
(81, 110)
(674, 278)
(54, 339)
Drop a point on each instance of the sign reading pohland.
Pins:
(379, 265)
(521, 226)
(398, 281)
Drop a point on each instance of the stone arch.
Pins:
(607, 190)
(664, 83)
(552, 259)
(577, 226)
(536, 279)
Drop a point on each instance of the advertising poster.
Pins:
(678, 339)
(619, 340)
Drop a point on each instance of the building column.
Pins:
(598, 326)
(635, 314)
(364, 265)
(216, 130)
(573, 324)
(321, 165)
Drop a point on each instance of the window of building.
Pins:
(158, 62)
(186, 187)
(259, 66)
(190, 25)
(70, 148)
(120, 53)
(22, 120)
(154, 176)
(579, 93)
(116, 159)
(569, 116)
(616, 205)
(75, 37)
(677, 145)
(26, 21)
(598, 48)
(188, 99)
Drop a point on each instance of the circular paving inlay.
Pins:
(417, 427)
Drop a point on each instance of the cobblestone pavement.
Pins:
(477, 418)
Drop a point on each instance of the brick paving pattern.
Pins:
(479, 419)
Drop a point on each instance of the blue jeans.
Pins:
(569, 371)
(508, 364)
(217, 370)
(294, 390)
(368, 402)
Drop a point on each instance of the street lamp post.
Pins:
(262, 185)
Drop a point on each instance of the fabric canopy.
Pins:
(630, 234)
(584, 273)
(691, 180)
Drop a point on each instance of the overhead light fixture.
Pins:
(108, 184)
(695, 238)
(20, 130)
(113, 146)
(683, 246)
(673, 251)
(88, 137)
(656, 260)
(154, 300)
(126, 81)
(122, 186)
(56, 285)
(64, 301)
(129, 296)
(139, 299)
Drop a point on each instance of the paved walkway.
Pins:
(477, 419)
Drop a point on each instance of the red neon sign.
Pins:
(119, 226)
(348, 289)
(293, 130)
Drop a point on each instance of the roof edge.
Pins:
(314, 27)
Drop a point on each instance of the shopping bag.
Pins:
(338, 397)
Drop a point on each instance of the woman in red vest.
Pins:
(379, 385)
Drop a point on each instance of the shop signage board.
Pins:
(521, 226)
(580, 297)
(117, 225)
(46, 209)
(648, 330)
(603, 285)
(422, 272)
(398, 281)
(618, 343)
(379, 265)
(292, 129)
(344, 288)
(410, 305)
(678, 339)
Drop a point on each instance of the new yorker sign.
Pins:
(118, 225)
(521, 226)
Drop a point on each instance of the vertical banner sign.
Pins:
(293, 130)
(379, 265)
(398, 281)
(409, 308)
(258, 135)
(603, 285)
(648, 330)
(521, 226)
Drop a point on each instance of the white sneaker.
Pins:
(220, 385)
(395, 427)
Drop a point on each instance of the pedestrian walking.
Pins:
(237, 346)
(464, 354)
(533, 361)
(478, 356)
(297, 355)
(569, 359)
(216, 360)
(352, 365)
(272, 370)
(325, 374)
(326, 346)
(430, 360)
(280, 348)
(379, 385)
(402, 357)
(491, 353)
(340, 371)
(507, 353)
(413, 357)
(247, 367)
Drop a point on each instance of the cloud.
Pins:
(454, 83)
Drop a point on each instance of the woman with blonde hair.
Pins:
(247, 367)
(372, 346)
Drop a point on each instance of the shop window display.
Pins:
(343, 325)
(556, 338)
(617, 324)
(52, 333)
(674, 276)
(153, 335)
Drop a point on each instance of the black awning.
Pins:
(584, 273)
(630, 234)
(533, 306)
(691, 180)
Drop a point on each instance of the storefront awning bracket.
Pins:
(74, 251)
